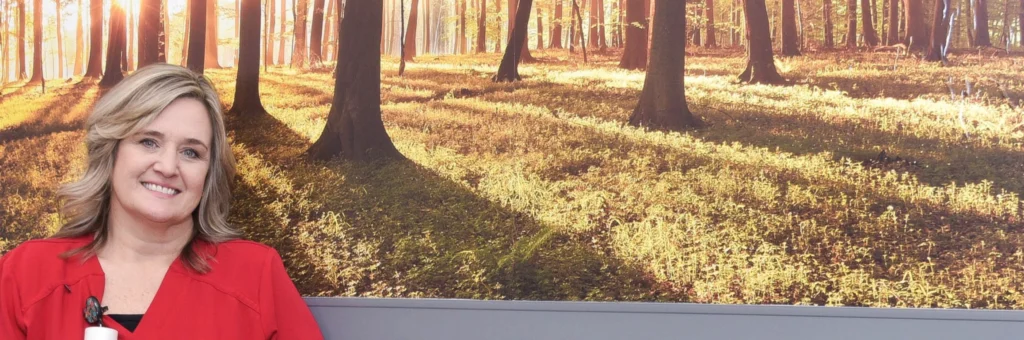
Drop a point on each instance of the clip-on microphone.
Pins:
(94, 315)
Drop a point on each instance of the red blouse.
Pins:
(246, 295)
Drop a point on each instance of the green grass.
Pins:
(539, 190)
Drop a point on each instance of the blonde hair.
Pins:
(123, 111)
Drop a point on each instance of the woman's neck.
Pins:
(131, 241)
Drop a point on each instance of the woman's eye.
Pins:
(190, 153)
(149, 143)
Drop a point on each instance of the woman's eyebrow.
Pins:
(160, 135)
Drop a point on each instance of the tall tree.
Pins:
(593, 25)
(602, 41)
(463, 40)
(579, 29)
(509, 68)
(326, 52)
(524, 55)
(635, 55)
(354, 128)
(247, 84)
(915, 28)
(95, 67)
(709, 14)
(867, 24)
(940, 26)
(981, 24)
(893, 31)
(281, 37)
(60, 41)
(409, 51)
(556, 25)
(299, 53)
(828, 40)
(188, 32)
(481, 27)
(4, 42)
(116, 42)
(316, 33)
(210, 55)
(130, 27)
(37, 42)
(21, 41)
(1020, 23)
(149, 32)
(851, 26)
(540, 27)
(197, 36)
(164, 33)
(662, 103)
(426, 26)
(790, 41)
(760, 61)
(271, 19)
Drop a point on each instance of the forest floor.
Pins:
(538, 190)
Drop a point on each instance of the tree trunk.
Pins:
(210, 55)
(197, 36)
(281, 37)
(354, 127)
(556, 25)
(115, 47)
(37, 42)
(238, 24)
(1020, 22)
(760, 62)
(95, 67)
(893, 31)
(524, 55)
(299, 51)
(60, 42)
(509, 68)
(326, 47)
(828, 41)
(149, 30)
(316, 34)
(940, 25)
(130, 27)
(572, 31)
(695, 34)
(790, 41)
(247, 84)
(540, 28)
(271, 17)
(4, 42)
(634, 57)
(594, 33)
(426, 26)
(188, 32)
(463, 39)
(916, 38)
(709, 13)
(579, 20)
(164, 32)
(851, 25)
(79, 43)
(867, 23)
(662, 103)
(481, 28)
(602, 41)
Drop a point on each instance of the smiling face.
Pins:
(160, 172)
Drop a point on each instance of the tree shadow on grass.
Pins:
(49, 119)
(406, 231)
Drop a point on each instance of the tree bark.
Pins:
(594, 33)
(760, 61)
(149, 32)
(602, 41)
(556, 25)
(60, 42)
(281, 37)
(579, 20)
(524, 55)
(540, 28)
(940, 26)
(188, 32)
(426, 26)
(790, 41)
(662, 103)
(463, 39)
(828, 40)
(867, 24)
(634, 56)
(851, 26)
(893, 31)
(130, 27)
(696, 38)
(316, 34)
(115, 47)
(247, 84)
(709, 14)
(508, 70)
(164, 33)
(915, 35)
(197, 36)
(981, 24)
(37, 42)
(354, 128)
(1020, 23)
(271, 35)
(481, 28)
(95, 67)
(300, 51)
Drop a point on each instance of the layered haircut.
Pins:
(124, 111)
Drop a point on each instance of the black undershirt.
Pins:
(128, 321)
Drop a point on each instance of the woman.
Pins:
(146, 232)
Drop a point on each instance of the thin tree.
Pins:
(481, 27)
(20, 54)
(409, 41)
(540, 27)
(893, 31)
(197, 36)
(401, 48)
(149, 26)
(271, 18)
(602, 41)
(760, 61)
(508, 70)
(579, 22)
(915, 28)
(556, 25)
(164, 33)
(1020, 22)
(635, 55)
(426, 26)
(300, 51)
(60, 41)
(662, 103)
(210, 55)
(981, 24)
(247, 84)
(827, 40)
(524, 53)
(328, 33)
(316, 34)
(188, 32)
(851, 26)
(867, 24)
(695, 30)
(354, 128)
(130, 27)
(116, 42)
(4, 42)
(790, 42)
(593, 25)
(709, 25)
(95, 66)
(281, 36)
(37, 42)
(463, 40)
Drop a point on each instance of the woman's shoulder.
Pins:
(40, 252)
(240, 258)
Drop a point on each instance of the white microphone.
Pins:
(100, 333)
